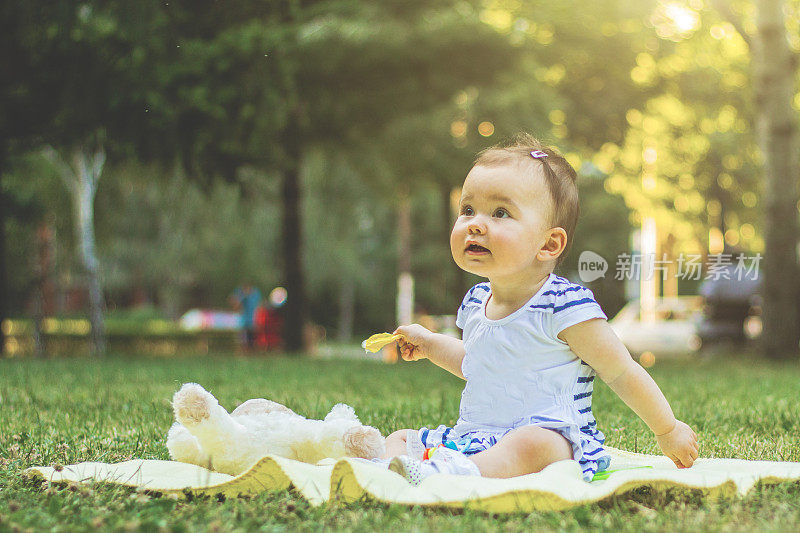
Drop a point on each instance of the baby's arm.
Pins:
(420, 343)
(596, 343)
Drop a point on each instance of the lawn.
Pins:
(69, 410)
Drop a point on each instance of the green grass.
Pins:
(71, 410)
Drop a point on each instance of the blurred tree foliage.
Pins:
(68, 84)
(267, 82)
(693, 138)
(263, 140)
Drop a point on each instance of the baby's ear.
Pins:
(554, 244)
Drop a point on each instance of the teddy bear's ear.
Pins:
(342, 411)
(260, 406)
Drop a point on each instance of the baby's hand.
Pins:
(415, 343)
(680, 445)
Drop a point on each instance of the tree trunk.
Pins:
(170, 300)
(347, 300)
(81, 179)
(293, 271)
(42, 270)
(449, 292)
(84, 206)
(405, 280)
(3, 282)
(774, 67)
(670, 285)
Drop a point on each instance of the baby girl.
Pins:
(532, 340)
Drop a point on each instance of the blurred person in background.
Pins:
(268, 324)
(246, 299)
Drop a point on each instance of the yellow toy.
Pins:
(376, 342)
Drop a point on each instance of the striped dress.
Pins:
(520, 373)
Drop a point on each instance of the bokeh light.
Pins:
(486, 129)
(278, 296)
(749, 199)
(458, 128)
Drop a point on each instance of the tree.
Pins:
(22, 114)
(688, 158)
(73, 77)
(3, 273)
(286, 78)
(775, 71)
(81, 178)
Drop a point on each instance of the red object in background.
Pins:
(268, 326)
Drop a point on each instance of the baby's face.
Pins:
(502, 224)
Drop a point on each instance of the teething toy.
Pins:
(376, 342)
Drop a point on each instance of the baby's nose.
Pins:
(476, 227)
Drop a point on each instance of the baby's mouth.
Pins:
(476, 249)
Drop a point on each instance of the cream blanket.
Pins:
(557, 487)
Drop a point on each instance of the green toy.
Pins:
(604, 474)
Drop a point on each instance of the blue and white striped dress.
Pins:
(520, 373)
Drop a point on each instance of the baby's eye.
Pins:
(467, 210)
(501, 213)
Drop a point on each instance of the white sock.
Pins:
(451, 461)
(378, 461)
(414, 446)
(415, 471)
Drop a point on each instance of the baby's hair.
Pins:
(558, 174)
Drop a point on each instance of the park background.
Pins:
(154, 155)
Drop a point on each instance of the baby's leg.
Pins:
(522, 451)
(396, 443)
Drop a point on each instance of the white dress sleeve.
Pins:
(471, 302)
(573, 307)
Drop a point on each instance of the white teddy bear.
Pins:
(206, 435)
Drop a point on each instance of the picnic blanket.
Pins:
(557, 487)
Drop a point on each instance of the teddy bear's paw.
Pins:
(365, 442)
(342, 411)
(184, 447)
(192, 404)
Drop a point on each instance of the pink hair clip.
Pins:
(538, 154)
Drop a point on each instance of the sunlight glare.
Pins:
(684, 19)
